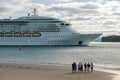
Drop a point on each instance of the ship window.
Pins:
(62, 23)
(67, 24)
(80, 42)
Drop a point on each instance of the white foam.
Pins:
(116, 72)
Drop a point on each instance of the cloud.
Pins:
(90, 5)
(3, 9)
(99, 15)
(8, 8)
(64, 0)
(76, 8)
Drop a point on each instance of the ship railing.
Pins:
(88, 32)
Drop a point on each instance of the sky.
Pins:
(84, 15)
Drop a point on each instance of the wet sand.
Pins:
(14, 71)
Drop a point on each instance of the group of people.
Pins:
(86, 67)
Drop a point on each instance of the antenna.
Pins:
(10, 17)
(35, 11)
(28, 14)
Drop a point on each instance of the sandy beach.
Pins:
(48, 72)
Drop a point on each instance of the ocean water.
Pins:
(103, 55)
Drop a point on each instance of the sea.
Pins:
(103, 55)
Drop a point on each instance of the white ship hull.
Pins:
(52, 39)
(37, 30)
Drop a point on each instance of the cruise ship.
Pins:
(34, 30)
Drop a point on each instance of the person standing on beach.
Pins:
(79, 67)
(92, 66)
(85, 65)
(88, 67)
(74, 67)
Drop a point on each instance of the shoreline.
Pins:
(14, 71)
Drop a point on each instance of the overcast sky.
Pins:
(102, 15)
